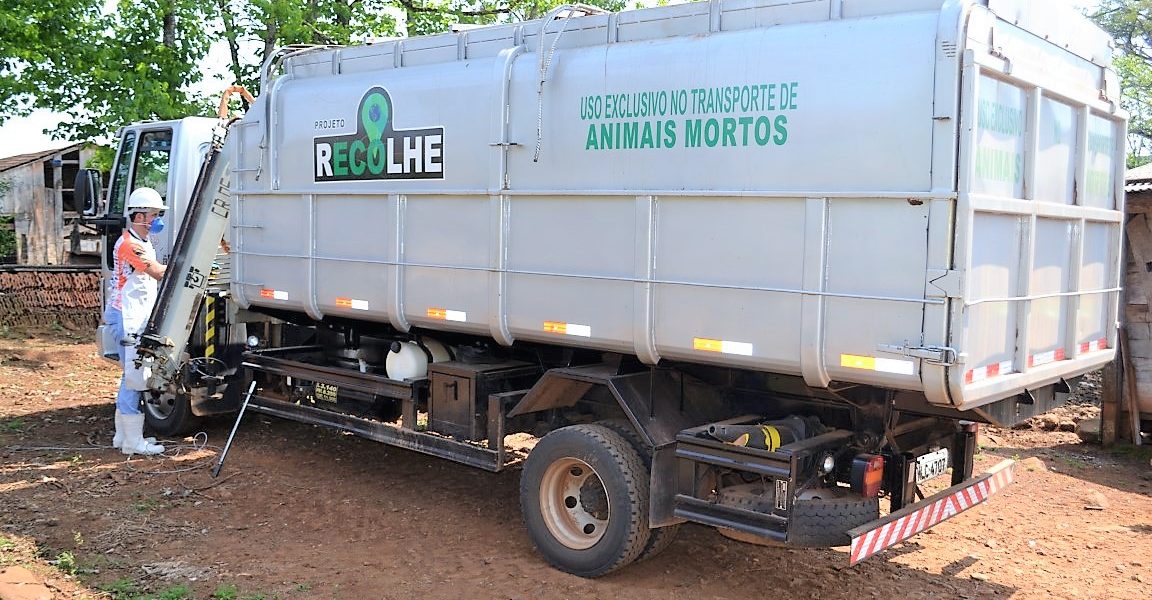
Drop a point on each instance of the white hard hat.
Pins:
(145, 198)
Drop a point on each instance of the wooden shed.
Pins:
(1130, 404)
(35, 188)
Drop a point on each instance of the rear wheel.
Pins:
(660, 537)
(584, 497)
(169, 414)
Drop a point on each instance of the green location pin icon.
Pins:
(374, 115)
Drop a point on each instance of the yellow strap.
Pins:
(771, 437)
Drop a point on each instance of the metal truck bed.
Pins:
(920, 196)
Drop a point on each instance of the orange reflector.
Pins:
(867, 474)
(555, 327)
(707, 345)
(344, 302)
(437, 313)
(853, 361)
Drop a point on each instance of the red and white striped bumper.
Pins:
(870, 538)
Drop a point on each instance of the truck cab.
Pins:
(163, 155)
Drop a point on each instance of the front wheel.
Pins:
(584, 497)
(169, 414)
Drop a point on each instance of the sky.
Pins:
(18, 136)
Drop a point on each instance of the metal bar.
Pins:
(765, 525)
(474, 456)
(631, 194)
(633, 280)
(741, 461)
(235, 426)
(364, 382)
(1042, 296)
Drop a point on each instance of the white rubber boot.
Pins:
(118, 439)
(134, 442)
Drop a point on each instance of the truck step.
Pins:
(418, 441)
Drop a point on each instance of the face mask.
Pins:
(157, 225)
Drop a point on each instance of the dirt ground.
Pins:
(303, 512)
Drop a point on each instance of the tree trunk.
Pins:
(169, 29)
(231, 35)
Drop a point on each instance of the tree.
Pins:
(137, 62)
(1130, 23)
(142, 59)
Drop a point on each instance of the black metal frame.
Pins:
(697, 454)
(280, 362)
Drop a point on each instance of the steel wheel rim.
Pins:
(161, 408)
(574, 503)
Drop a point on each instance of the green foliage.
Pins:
(107, 64)
(225, 592)
(178, 592)
(66, 562)
(101, 159)
(119, 589)
(1130, 23)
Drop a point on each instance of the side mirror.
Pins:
(86, 192)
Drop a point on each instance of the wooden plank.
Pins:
(1141, 352)
(1137, 313)
(1109, 402)
(1139, 282)
(1140, 239)
(1130, 402)
(1138, 331)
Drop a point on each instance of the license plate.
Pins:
(931, 465)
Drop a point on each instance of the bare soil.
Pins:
(303, 512)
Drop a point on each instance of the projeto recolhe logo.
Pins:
(377, 150)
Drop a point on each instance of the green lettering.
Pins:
(376, 157)
(692, 133)
(711, 132)
(355, 164)
(646, 136)
(729, 132)
(781, 136)
(669, 134)
(340, 158)
(631, 134)
(590, 142)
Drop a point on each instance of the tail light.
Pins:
(867, 474)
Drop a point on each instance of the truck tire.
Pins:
(660, 537)
(825, 523)
(170, 415)
(584, 497)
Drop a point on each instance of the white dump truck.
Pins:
(755, 264)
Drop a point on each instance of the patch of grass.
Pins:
(66, 562)
(178, 592)
(225, 592)
(121, 589)
(146, 504)
(303, 587)
(12, 426)
(1075, 463)
(125, 589)
(1141, 454)
(6, 544)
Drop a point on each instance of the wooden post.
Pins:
(1110, 402)
(1128, 427)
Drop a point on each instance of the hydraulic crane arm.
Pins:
(164, 340)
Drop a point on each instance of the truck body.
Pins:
(751, 264)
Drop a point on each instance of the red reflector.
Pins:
(867, 474)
